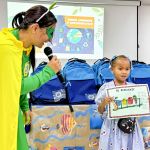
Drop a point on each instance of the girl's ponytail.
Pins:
(18, 22)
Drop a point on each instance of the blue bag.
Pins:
(80, 82)
(51, 92)
(96, 119)
(103, 71)
(98, 63)
(140, 73)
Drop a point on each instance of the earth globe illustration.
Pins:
(74, 36)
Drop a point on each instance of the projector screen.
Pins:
(78, 33)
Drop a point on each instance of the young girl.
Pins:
(111, 137)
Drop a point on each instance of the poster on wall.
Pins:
(78, 32)
(130, 100)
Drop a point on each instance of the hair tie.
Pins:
(113, 58)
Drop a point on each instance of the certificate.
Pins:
(129, 101)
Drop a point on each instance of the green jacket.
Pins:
(28, 84)
(31, 83)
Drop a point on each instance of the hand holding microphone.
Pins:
(54, 63)
(48, 53)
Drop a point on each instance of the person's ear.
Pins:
(34, 27)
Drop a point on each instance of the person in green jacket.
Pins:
(33, 28)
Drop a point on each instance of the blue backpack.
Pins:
(103, 72)
(140, 73)
(80, 82)
(52, 92)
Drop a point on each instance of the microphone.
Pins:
(49, 53)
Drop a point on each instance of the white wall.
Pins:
(3, 13)
(120, 27)
(144, 33)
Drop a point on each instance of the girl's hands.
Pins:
(107, 100)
